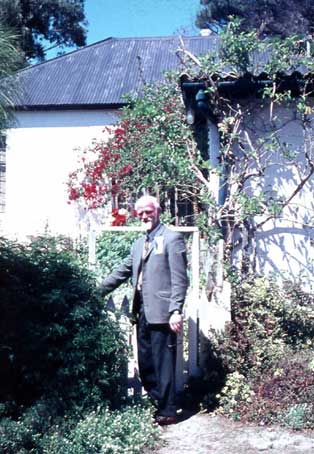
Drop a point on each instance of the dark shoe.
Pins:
(165, 420)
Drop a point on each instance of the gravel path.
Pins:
(207, 434)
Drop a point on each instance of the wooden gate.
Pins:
(200, 315)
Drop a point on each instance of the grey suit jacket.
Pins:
(164, 278)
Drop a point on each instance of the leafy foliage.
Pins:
(270, 375)
(147, 150)
(154, 148)
(127, 431)
(62, 358)
(10, 60)
(113, 248)
(283, 17)
(71, 350)
(60, 22)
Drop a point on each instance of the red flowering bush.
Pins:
(101, 170)
(119, 217)
(146, 150)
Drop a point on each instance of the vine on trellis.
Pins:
(153, 147)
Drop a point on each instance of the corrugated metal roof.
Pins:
(100, 74)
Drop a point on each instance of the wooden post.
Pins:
(91, 249)
(219, 307)
(180, 378)
(219, 264)
(176, 208)
(193, 310)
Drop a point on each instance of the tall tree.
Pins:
(60, 22)
(271, 17)
(10, 60)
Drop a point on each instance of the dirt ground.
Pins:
(204, 433)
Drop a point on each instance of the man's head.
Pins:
(148, 210)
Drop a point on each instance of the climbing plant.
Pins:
(154, 148)
(146, 150)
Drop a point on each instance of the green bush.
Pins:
(63, 358)
(122, 432)
(298, 318)
(113, 247)
(267, 355)
(283, 392)
(127, 430)
(57, 341)
(23, 434)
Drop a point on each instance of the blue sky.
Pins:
(132, 18)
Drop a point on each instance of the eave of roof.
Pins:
(62, 107)
(252, 85)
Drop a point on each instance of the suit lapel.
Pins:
(138, 255)
(147, 254)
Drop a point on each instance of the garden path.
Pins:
(204, 433)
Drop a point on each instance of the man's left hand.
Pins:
(175, 322)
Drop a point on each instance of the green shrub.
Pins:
(113, 247)
(127, 431)
(255, 336)
(121, 432)
(299, 416)
(57, 342)
(62, 358)
(298, 317)
(267, 355)
(23, 434)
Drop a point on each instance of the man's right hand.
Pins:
(176, 322)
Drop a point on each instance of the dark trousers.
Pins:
(157, 360)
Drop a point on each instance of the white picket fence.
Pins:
(200, 315)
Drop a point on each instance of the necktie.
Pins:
(146, 247)
(144, 255)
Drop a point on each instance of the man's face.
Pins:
(149, 216)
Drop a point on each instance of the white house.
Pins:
(62, 105)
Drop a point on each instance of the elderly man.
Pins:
(157, 264)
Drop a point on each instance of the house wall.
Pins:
(41, 151)
(285, 246)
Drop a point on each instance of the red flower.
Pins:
(120, 217)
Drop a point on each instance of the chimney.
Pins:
(205, 32)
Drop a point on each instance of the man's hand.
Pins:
(175, 322)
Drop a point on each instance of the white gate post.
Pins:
(91, 249)
(193, 308)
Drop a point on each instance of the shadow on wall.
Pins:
(284, 244)
(287, 251)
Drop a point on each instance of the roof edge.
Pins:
(61, 107)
